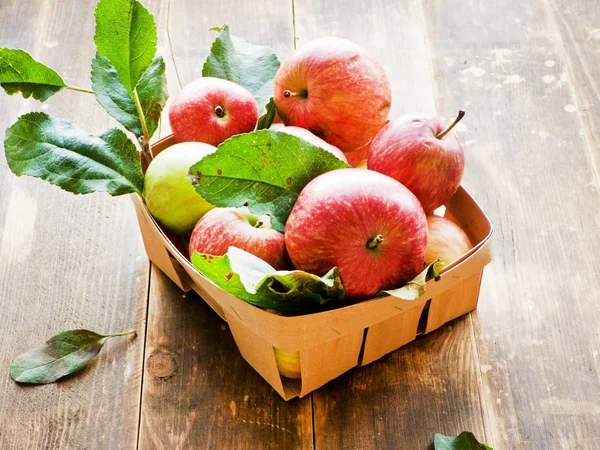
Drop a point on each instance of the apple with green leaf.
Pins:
(367, 224)
(212, 110)
(169, 195)
(222, 228)
(423, 154)
(335, 89)
(446, 242)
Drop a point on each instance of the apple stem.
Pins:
(461, 114)
(258, 224)
(374, 242)
(302, 94)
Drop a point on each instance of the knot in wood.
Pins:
(161, 364)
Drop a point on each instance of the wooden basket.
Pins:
(332, 342)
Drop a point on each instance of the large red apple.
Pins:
(335, 89)
(222, 228)
(303, 133)
(423, 155)
(446, 241)
(212, 110)
(365, 223)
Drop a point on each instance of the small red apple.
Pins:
(446, 241)
(303, 133)
(212, 110)
(336, 90)
(422, 154)
(222, 228)
(365, 223)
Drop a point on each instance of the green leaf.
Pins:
(63, 354)
(153, 93)
(415, 288)
(265, 169)
(235, 59)
(464, 441)
(126, 36)
(59, 152)
(113, 96)
(19, 72)
(118, 102)
(265, 121)
(254, 281)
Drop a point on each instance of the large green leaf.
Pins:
(265, 169)
(235, 59)
(59, 152)
(118, 102)
(63, 354)
(254, 281)
(126, 36)
(19, 72)
(464, 441)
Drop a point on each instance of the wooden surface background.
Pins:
(522, 372)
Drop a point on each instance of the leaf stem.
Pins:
(124, 333)
(85, 91)
(146, 153)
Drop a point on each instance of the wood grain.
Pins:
(198, 392)
(529, 166)
(431, 385)
(66, 261)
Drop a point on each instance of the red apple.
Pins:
(211, 110)
(358, 158)
(446, 241)
(423, 155)
(222, 228)
(303, 133)
(365, 223)
(336, 90)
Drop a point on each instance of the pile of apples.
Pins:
(376, 224)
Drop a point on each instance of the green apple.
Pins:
(288, 363)
(169, 195)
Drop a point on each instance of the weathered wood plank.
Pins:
(576, 28)
(431, 385)
(198, 392)
(66, 261)
(529, 166)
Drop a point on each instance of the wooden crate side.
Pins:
(391, 334)
(258, 353)
(156, 250)
(454, 302)
(324, 362)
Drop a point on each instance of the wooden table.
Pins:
(522, 372)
